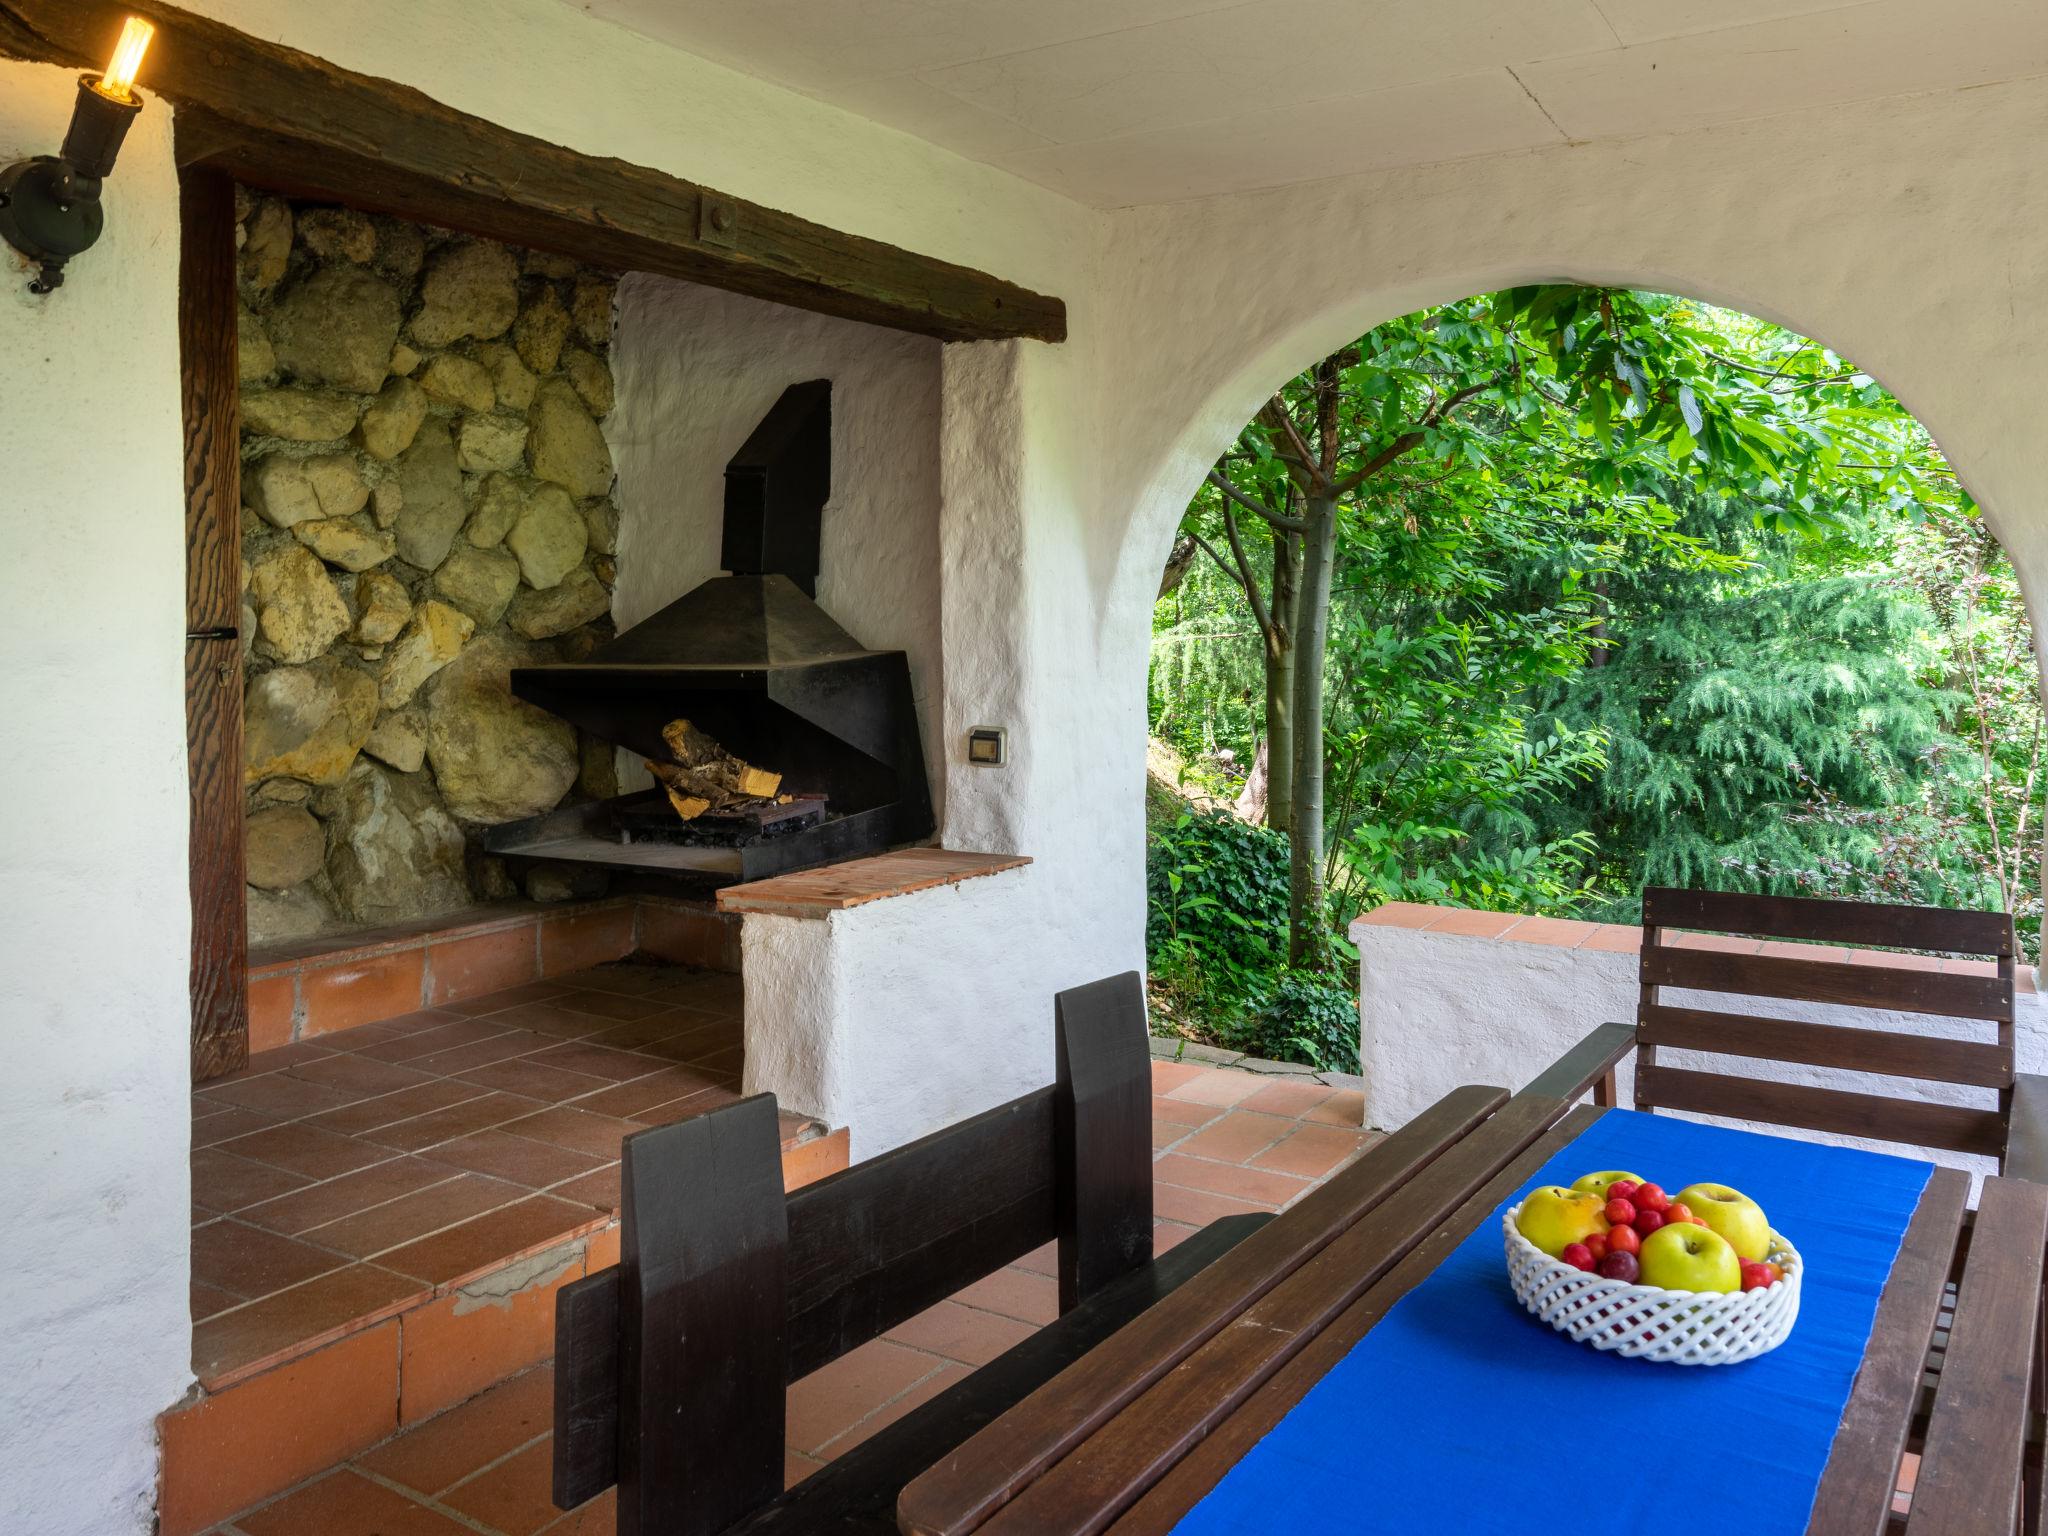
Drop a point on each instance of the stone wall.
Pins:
(427, 503)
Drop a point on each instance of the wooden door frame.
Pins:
(210, 378)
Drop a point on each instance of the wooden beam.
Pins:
(213, 650)
(286, 120)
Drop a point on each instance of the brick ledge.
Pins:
(1625, 938)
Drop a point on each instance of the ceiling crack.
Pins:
(1537, 103)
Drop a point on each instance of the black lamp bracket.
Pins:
(50, 205)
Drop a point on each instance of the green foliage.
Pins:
(1628, 589)
(1218, 887)
(1216, 942)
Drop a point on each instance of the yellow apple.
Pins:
(1596, 1183)
(1683, 1257)
(1554, 1217)
(1732, 1214)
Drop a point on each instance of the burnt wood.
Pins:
(855, 1494)
(1104, 1147)
(287, 120)
(1855, 1494)
(1911, 1121)
(1191, 1478)
(1970, 1467)
(1828, 981)
(1586, 1067)
(210, 376)
(701, 1342)
(1891, 1053)
(1115, 1466)
(1809, 918)
(986, 1471)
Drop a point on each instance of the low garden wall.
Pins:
(1450, 996)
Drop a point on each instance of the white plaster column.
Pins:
(95, 1022)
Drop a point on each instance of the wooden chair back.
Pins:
(670, 1368)
(1777, 971)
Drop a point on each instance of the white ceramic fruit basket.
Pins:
(1647, 1322)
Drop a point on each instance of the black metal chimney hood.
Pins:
(752, 660)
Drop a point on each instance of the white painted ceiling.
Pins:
(1119, 102)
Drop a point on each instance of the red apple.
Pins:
(1651, 1197)
(1578, 1255)
(1677, 1212)
(1623, 1189)
(1596, 1245)
(1621, 1212)
(1755, 1277)
(1647, 1222)
(1621, 1266)
(1624, 1240)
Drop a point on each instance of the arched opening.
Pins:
(1523, 601)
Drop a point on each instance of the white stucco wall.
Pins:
(901, 1016)
(696, 371)
(94, 1026)
(1438, 1010)
(1907, 233)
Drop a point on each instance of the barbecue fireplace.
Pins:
(801, 746)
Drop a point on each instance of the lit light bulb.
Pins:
(119, 80)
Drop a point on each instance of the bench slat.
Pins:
(1829, 981)
(1829, 922)
(1969, 1482)
(877, 1243)
(701, 1310)
(1892, 1053)
(1855, 1497)
(1908, 1122)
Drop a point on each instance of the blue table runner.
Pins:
(1461, 1412)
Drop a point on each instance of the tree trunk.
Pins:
(1280, 651)
(1306, 940)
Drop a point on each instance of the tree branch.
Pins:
(1408, 441)
(1274, 414)
(1261, 614)
(1277, 519)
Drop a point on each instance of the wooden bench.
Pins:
(2011, 1126)
(1979, 1473)
(671, 1367)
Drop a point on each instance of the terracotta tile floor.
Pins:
(341, 1179)
(1228, 1141)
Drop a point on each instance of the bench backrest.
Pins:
(670, 1368)
(1774, 970)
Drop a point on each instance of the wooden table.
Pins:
(1134, 1434)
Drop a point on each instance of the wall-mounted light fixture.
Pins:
(50, 205)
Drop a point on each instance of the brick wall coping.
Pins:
(1626, 938)
(836, 887)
